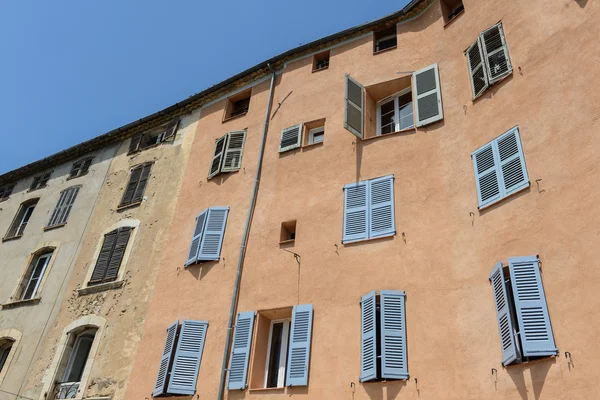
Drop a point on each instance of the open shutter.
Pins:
(104, 257)
(59, 208)
(212, 237)
(143, 181)
(393, 335)
(368, 340)
(512, 162)
(240, 353)
(381, 207)
(134, 177)
(356, 216)
(299, 348)
(477, 69)
(68, 205)
(535, 330)
(163, 369)
(215, 164)
(506, 324)
(291, 138)
(496, 53)
(197, 238)
(354, 107)
(134, 145)
(171, 129)
(188, 355)
(428, 97)
(117, 255)
(487, 177)
(232, 160)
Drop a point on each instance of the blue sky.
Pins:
(74, 69)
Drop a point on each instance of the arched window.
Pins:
(18, 225)
(30, 284)
(74, 360)
(5, 348)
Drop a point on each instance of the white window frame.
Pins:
(88, 334)
(313, 131)
(36, 260)
(282, 356)
(395, 96)
(23, 224)
(381, 39)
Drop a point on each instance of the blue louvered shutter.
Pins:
(188, 355)
(212, 237)
(368, 340)
(506, 325)
(163, 369)
(356, 213)
(511, 162)
(393, 335)
(535, 329)
(196, 238)
(487, 178)
(381, 207)
(299, 347)
(240, 353)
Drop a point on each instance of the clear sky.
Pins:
(74, 69)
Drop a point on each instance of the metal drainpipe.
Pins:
(238, 277)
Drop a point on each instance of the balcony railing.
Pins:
(66, 390)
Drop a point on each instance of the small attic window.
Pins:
(385, 39)
(288, 232)
(451, 9)
(237, 105)
(320, 61)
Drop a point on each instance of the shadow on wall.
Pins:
(430, 17)
(387, 390)
(537, 369)
(581, 3)
(492, 90)
(200, 270)
(508, 199)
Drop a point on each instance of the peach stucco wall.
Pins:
(445, 260)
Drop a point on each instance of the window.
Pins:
(369, 209)
(40, 181)
(320, 61)
(282, 349)
(291, 138)
(288, 232)
(208, 235)
(385, 39)
(61, 212)
(500, 168)
(395, 114)
(228, 152)
(76, 357)
(21, 220)
(5, 348)
(303, 134)
(6, 191)
(180, 361)
(30, 284)
(383, 336)
(153, 137)
(80, 167)
(134, 193)
(488, 59)
(451, 9)
(316, 135)
(110, 256)
(237, 105)
(519, 295)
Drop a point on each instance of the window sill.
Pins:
(266, 389)
(454, 18)
(310, 145)
(130, 205)
(77, 176)
(234, 117)
(19, 303)
(369, 239)
(320, 69)
(385, 380)
(385, 50)
(484, 207)
(287, 241)
(4, 199)
(39, 188)
(379, 136)
(11, 238)
(100, 287)
(49, 228)
(527, 363)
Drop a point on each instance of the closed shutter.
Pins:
(215, 164)
(368, 340)
(428, 97)
(240, 353)
(291, 138)
(381, 207)
(232, 160)
(117, 255)
(68, 205)
(496, 53)
(134, 177)
(486, 175)
(535, 329)
(58, 209)
(134, 145)
(506, 325)
(354, 107)
(356, 215)
(104, 257)
(393, 335)
(197, 238)
(299, 348)
(188, 355)
(212, 237)
(163, 369)
(142, 182)
(477, 69)
(512, 162)
(171, 129)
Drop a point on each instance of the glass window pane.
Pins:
(274, 355)
(387, 117)
(78, 358)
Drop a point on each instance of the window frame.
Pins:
(6, 191)
(87, 335)
(316, 130)
(396, 96)
(80, 168)
(126, 204)
(38, 180)
(19, 224)
(33, 265)
(386, 35)
(5, 353)
(283, 353)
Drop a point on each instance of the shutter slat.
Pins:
(506, 325)
(486, 175)
(215, 164)
(134, 177)
(68, 206)
(134, 145)
(58, 208)
(535, 329)
(212, 237)
(232, 160)
(196, 238)
(381, 207)
(356, 212)
(104, 257)
(117, 255)
(240, 353)
(393, 335)
(368, 341)
(512, 162)
(477, 69)
(496, 53)
(428, 95)
(188, 356)
(142, 182)
(354, 107)
(291, 138)
(299, 348)
(163, 369)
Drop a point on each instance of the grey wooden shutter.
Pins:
(104, 257)
(215, 164)
(506, 325)
(368, 340)
(240, 353)
(354, 107)
(197, 237)
(291, 138)
(535, 329)
(134, 145)
(118, 252)
(171, 129)
(495, 52)
(212, 237)
(477, 69)
(356, 215)
(232, 159)
(299, 347)
(487, 176)
(428, 95)
(134, 177)
(188, 355)
(58, 209)
(512, 162)
(63, 206)
(165, 360)
(142, 182)
(393, 335)
(381, 207)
